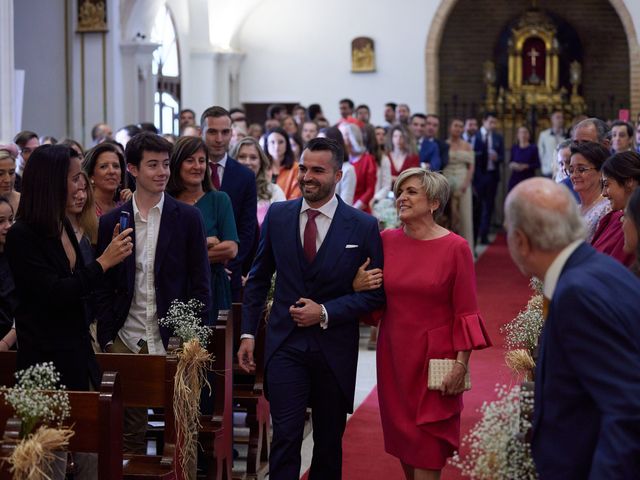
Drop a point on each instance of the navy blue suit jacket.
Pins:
(587, 389)
(240, 184)
(328, 284)
(435, 153)
(481, 151)
(181, 268)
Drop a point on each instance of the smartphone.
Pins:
(124, 220)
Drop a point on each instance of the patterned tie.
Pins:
(215, 176)
(545, 307)
(310, 234)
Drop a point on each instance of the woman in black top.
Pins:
(8, 299)
(51, 278)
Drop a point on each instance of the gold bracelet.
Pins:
(463, 365)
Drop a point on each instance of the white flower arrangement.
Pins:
(36, 397)
(386, 213)
(523, 331)
(194, 361)
(184, 319)
(497, 450)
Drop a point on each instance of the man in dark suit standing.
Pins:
(489, 148)
(170, 262)
(238, 182)
(314, 245)
(587, 392)
(434, 153)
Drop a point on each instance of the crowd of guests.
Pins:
(95, 244)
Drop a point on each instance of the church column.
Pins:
(139, 82)
(228, 74)
(234, 79)
(8, 98)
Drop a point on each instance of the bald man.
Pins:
(587, 394)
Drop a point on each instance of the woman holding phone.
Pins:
(52, 280)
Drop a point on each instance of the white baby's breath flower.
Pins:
(495, 450)
(184, 319)
(37, 397)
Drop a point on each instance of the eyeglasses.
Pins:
(579, 170)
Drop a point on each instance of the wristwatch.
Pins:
(323, 317)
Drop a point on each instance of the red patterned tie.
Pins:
(310, 234)
(215, 176)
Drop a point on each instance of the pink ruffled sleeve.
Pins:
(469, 331)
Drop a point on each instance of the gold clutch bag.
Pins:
(438, 369)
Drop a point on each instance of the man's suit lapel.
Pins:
(292, 242)
(337, 236)
(167, 226)
(130, 261)
(227, 177)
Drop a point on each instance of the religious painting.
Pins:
(363, 56)
(92, 16)
(534, 61)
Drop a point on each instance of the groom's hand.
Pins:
(245, 355)
(305, 312)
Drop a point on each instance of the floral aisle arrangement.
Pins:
(522, 333)
(37, 399)
(193, 363)
(496, 449)
(386, 213)
(497, 445)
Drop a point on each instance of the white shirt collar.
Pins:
(555, 269)
(484, 131)
(223, 161)
(328, 209)
(136, 210)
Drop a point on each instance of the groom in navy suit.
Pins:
(314, 245)
(586, 421)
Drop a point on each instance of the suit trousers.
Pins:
(297, 379)
(486, 187)
(135, 419)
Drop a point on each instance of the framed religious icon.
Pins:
(363, 55)
(92, 16)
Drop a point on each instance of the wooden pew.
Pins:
(96, 419)
(248, 394)
(8, 368)
(147, 382)
(216, 433)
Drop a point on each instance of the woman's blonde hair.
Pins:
(87, 218)
(434, 184)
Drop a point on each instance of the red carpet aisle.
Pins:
(502, 292)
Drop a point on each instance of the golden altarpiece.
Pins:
(533, 88)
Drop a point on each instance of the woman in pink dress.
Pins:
(431, 313)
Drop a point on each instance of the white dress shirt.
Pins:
(323, 221)
(487, 137)
(548, 141)
(141, 324)
(220, 165)
(555, 269)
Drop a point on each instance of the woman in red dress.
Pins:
(431, 313)
(401, 151)
(620, 177)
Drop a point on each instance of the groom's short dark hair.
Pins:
(321, 144)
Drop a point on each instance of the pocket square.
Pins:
(350, 245)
